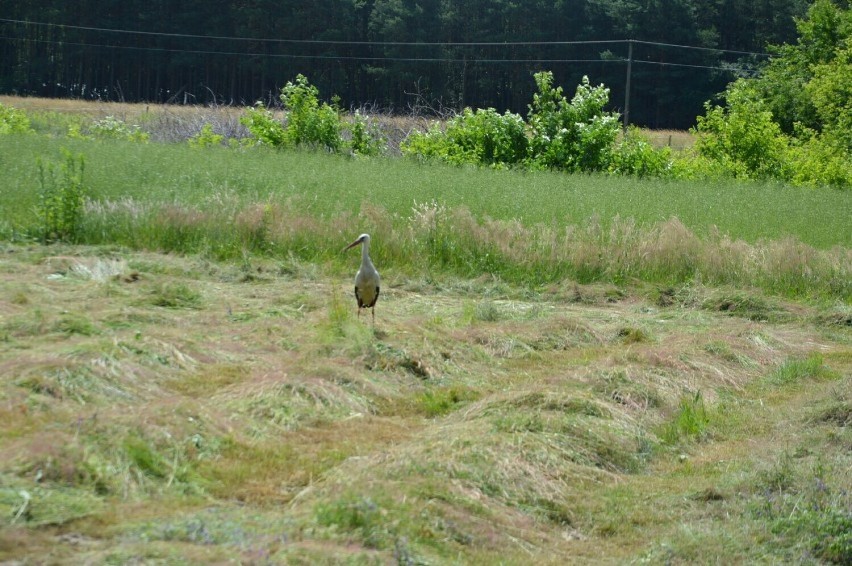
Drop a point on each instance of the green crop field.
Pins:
(563, 368)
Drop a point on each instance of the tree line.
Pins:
(396, 55)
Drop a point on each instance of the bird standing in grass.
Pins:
(367, 281)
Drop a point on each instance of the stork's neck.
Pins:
(365, 253)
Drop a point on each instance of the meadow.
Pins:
(563, 369)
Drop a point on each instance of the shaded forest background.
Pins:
(392, 55)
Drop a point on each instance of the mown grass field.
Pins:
(560, 370)
(160, 408)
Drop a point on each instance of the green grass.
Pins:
(796, 370)
(521, 397)
(324, 186)
(689, 422)
(433, 220)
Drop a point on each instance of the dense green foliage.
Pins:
(742, 137)
(806, 84)
(575, 136)
(794, 121)
(13, 121)
(572, 136)
(394, 53)
(308, 122)
(481, 137)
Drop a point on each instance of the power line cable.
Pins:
(321, 41)
(386, 43)
(711, 49)
(665, 64)
(368, 57)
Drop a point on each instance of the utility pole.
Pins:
(626, 116)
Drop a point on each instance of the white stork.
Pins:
(367, 281)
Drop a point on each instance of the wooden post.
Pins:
(626, 116)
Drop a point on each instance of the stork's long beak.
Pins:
(353, 244)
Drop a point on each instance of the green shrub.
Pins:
(742, 136)
(635, 156)
(431, 144)
(61, 197)
(571, 136)
(262, 125)
(309, 122)
(481, 137)
(206, 138)
(814, 160)
(365, 138)
(13, 121)
(115, 129)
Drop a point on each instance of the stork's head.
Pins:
(362, 239)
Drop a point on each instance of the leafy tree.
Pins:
(823, 35)
(742, 136)
(830, 91)
(795, 121)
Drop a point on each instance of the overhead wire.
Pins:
(384, 58)
(384, 43)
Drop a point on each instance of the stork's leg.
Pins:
(373, 310)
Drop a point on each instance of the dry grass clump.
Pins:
(290, 402)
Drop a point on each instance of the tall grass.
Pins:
(455, 241)
(524, 227)
(324, 185)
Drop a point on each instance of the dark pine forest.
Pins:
(391, 55)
